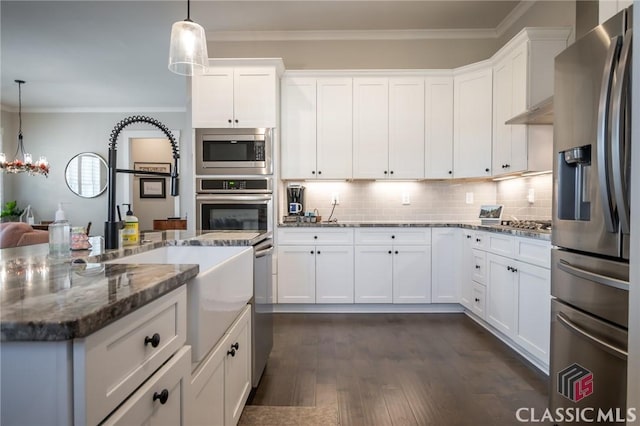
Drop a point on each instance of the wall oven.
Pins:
(230, 204)
(234, 152)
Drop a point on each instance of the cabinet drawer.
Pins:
(379, 236)
(112, 362)
(479, 266)
(145, 406)
(317, 236)
(533, 251)
(479, 240)
(499, 244)
(478, 299)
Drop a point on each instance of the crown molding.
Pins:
(515, 14)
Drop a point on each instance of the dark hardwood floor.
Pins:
(398, 369)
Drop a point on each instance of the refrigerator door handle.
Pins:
(564, 320)
(618, 133)
(603, 133)
(593, 276)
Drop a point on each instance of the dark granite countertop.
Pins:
(46, 299)
(538, 234)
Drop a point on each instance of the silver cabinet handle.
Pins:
(618, 135)
(620, 353)
(603, 133)
(593, 276)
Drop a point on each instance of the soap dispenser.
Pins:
(59, 235)
(131, 231)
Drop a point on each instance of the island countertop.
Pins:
(46, 300)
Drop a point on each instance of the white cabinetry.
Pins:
(370, 128)
(445, 261)
(221, 384)
(406, 127)
(472, 121)
(315, 266)
(438, 127)
(392, 265)
(316, 128)
(502, 294)
(522, 77)
(234, 96)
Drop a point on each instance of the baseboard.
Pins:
(432, 308)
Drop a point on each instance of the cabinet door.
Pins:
(502, 294)
(411, 274)
(406, 127)
(237, 368)
(370, 128)
(335, 128)
(206, 406)
(298, 153)
(502, 111)
(373, 274)
(212, 98)
(478, 299)
(472, 124)
(534, 309)
(446, 271)
(467, 267)
(144, 407)
(334, 274)
(439, 128)
(296, 274)
(254, 97)
(519, 160)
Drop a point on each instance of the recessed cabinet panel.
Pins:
(371, 128)
(334, 274)
(298, 136)
(373, 274)
(212, 98)
(534, 304)
(446, 275)
(254, 91)
(479, 266)
(438, 128)
(412, 274)
(406, 127)
(296, 274)
(502, 294)
(335, 128)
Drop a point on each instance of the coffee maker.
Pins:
(295, 200)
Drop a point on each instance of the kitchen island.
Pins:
(83, 334)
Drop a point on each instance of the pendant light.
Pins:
(188, 48)
(23, 162)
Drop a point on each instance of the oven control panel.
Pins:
(249, 185)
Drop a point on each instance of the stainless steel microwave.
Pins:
(234, 152)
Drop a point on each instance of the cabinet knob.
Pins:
(393, 237)
(486, 170)
(389, 251)
(506, 166)
(232, 352)
(313, 172)
(396, 252)
(477, 266)
(514, 270)
(163, 396)
(319, 172)
(468, 236)
(391, 172)
(315, 237)
(154, 340)
(509, 268)
(236, 120)
(235, 346)
(450, 172)
(311, 252)
(477, 300)
(230, 121)
(385, 172)
(318, 251)
(478, 240)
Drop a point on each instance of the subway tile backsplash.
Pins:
(437, 201)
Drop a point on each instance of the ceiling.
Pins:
(101, 55)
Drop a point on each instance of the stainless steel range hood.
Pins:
(541, 113)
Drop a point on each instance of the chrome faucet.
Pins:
(113, 226)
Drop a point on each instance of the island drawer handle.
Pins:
(162, 396)
(154, 340)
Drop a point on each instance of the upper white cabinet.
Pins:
(235, 96)
(438, 131)
(472, 121)
(316, 128)
(522, 77)
(371, 128)
(406, 127)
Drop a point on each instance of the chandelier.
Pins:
(23, 161)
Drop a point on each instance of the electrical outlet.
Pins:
(469, 198)
(335, 198)
(406, 199)
(531, 196)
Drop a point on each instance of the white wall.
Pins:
(60, 136)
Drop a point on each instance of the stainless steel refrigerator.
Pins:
(591, 215)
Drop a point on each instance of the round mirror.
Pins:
(86, 175)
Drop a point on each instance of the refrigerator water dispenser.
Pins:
(574, 166)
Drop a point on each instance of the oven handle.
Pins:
(564, 320)
(235, 198)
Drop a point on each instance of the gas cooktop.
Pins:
(536, 225)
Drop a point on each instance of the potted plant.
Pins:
(10, 212)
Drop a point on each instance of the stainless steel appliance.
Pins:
(230, 204)
(262, 309)
(295, 200)
(591, 215)
(234, 152)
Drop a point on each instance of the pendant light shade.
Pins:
(188, 48)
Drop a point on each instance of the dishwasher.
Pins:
(261, 309)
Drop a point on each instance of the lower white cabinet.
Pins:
(222, 382)
(334, 274)
(446, 274)
(502, 294)
(160, 400)
(478, 299)
(373, 274)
